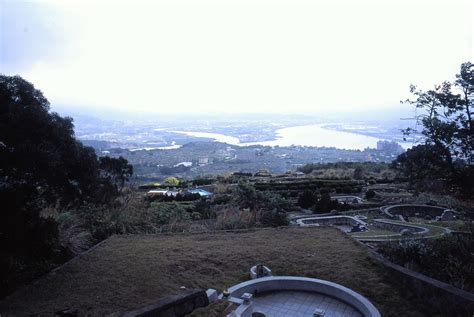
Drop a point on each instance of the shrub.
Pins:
(325, 204)
(171, 180)
(202, 181)
(307, 199)
(450, 258)
(369, 194)
(165, 213)
(203, 208)
(233, 218)
(221, 199)
(273, 218)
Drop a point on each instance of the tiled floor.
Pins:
(301, 304)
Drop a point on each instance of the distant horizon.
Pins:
(401, 111)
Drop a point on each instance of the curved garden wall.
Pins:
(293, 283)
(329, 220)
(398, 227)
(409, 210)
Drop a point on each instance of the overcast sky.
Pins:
(226, 56)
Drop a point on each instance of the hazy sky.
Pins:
(226, 56)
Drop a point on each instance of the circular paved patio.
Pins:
(301, 304)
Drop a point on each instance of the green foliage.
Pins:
(39, 148)
(269, 209)
(370, 194)
(446, 117)
(115, 171)
(221, 199)
(102, 221)
(311, 184)
(171, 180)
(248, 197)
(203, 208)
(307, 199)
(325, 204)
(165, 213)
(27, 240)
(274, 218)
(362, 166)
(358, 173)
(202, 181)
(424, 162)
(450, 258)
(41, 165)
(447, 130)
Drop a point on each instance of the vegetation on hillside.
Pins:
(447, 130)
(58, 198)
(43, 170)
(449, 259)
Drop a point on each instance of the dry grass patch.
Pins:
(133, 270)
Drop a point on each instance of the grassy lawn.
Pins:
(133, 270)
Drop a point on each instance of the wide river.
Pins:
(308, 135)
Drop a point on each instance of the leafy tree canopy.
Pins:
(38, 148)
(41, 165)
(446, 125)
(171, 180)
(446, 116)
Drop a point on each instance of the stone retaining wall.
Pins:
(411, 209)
(329, 220)
(172, 306)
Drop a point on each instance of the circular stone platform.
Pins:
(410, 210)
(301, 304)
(277, 296)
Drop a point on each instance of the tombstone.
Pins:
(260, 270)
(447, 215)
(405, 232)
(356, 228)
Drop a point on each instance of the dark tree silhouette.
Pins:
(115, 170)
(307, 199)
(447, 128)
(325, 204)
(42, 164)
(446, 115)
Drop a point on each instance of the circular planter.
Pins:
(293, 283)
(411, 209)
